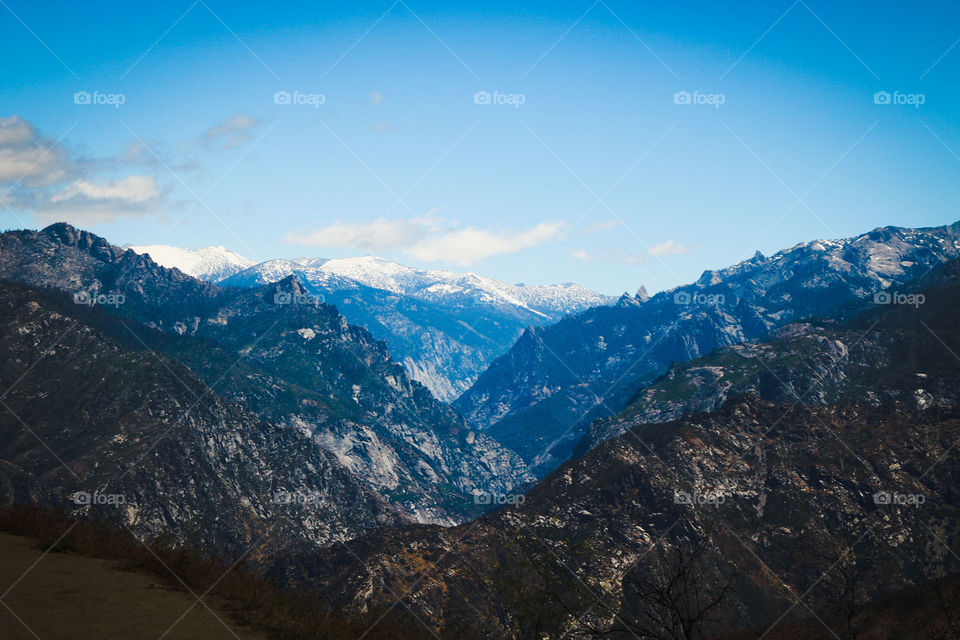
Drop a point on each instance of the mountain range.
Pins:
(444, 327)
(273, 353)
(832, 503)
(774, 443)
(541, 396)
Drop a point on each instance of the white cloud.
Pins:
(27, 158)
(376, 97)
(428, 238)
(231, 132)
(471, 245)
(15, 130)
(580, 254)
(608, 255)
(605, 225)
(670, 247)
(85, 203)
(379, 235)
(31, 165)
(132, 190)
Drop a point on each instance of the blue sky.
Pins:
(585, 166)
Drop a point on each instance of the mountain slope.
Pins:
(444, 327)
(889, 352)
(780, 492)
(291, 360)
(385, 428)
(89, 409)
(539, 397)
(773, 492)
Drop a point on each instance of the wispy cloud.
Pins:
(29, 159)
(428, 238)
(609, 255)
(471, 245)
(134, 190)
(670, 247)
(45, 178)
(604, 225)
(15, 130)
(379, 235)
(230, 132)
(581, 254)
(84, 202)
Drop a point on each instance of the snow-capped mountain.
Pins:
(206, 263)
(449, 287)
(317, 403)
(215, 264)
(445, 327)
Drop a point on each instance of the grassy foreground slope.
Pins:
(67, 595)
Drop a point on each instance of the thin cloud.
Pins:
(605, 225)
(46, 179)
(15, 130)
(670, 247)
(379, 235)
(428, 239)
(28, 158)
(85, 203)
(471, 245)
(608, 255)
(133, 190)
(580, 254)
(231, 132)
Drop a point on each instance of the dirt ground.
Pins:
(69, 596)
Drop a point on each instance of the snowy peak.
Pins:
(449, 287)
(540, 303)
(445, 327)
(206, 263)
